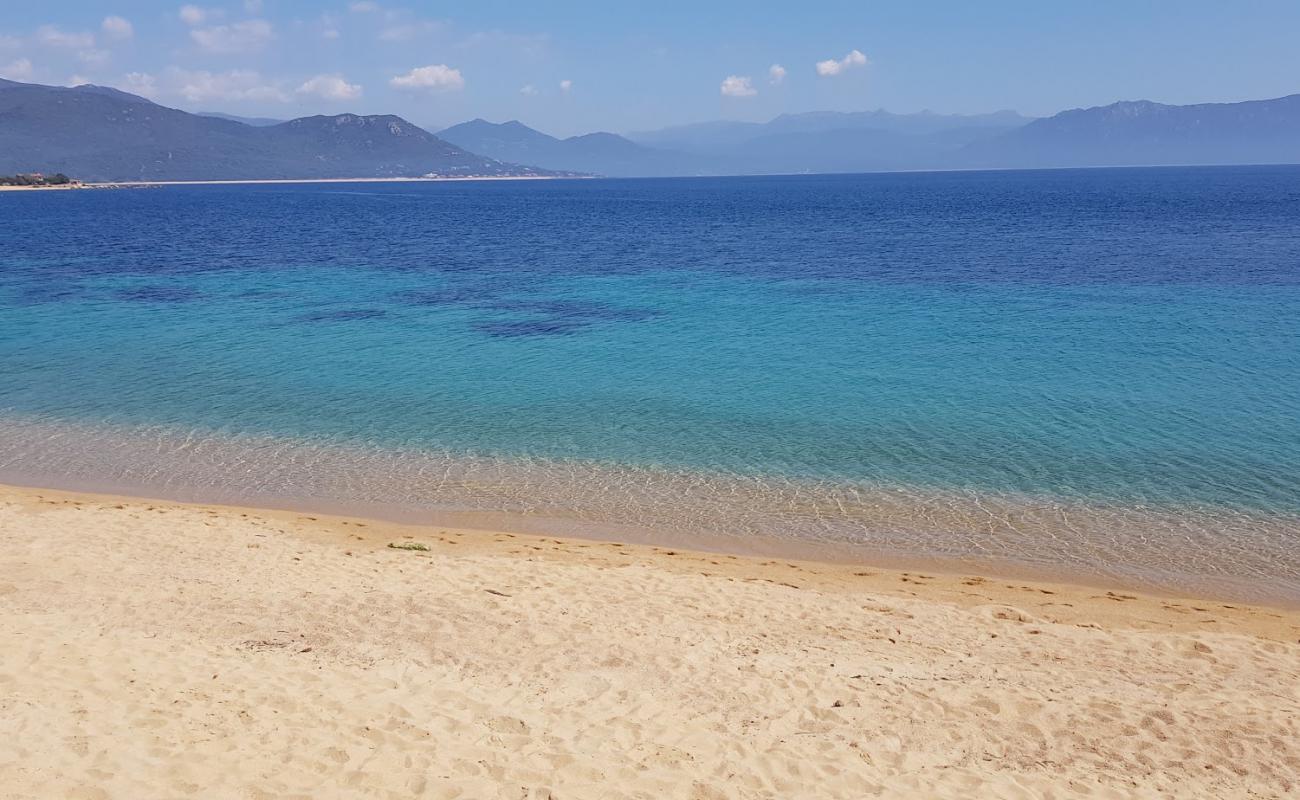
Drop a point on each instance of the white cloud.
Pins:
(239, 37)
(53, 37)
(193, 15)
(77, 80)
(117, 28)
(141, 83)
(330, 33)
(434, 76)
(566, 86)
(363, 7)
(330, 87)
(202, 86)
(19, 70)
(529, 91)
(830, 67)
(738, 86)
(776, 74)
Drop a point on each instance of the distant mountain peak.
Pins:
(1144, 132)
(601, 153)
(99, 133)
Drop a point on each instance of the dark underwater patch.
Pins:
(577, 310)
(38, 295)
(441, 297)
(158, 294)
(521, 328)
(345, 315)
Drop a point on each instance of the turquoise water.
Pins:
(1114, 353)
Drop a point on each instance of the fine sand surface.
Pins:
(157, 650)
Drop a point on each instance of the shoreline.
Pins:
(817, 556)
(61, 187)
(275, 181)
(747, 538)
(158, 649)
(293, 181)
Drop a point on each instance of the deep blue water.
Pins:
(1118, 336)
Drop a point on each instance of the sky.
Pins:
(586, 65)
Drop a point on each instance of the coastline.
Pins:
(830, 556)
(290, 181)
(1220, 555)
(156, 648)
(272, 181)
(64, 187)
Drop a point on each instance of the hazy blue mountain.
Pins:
(94, 133)
(597, 153)
(256, 122)
(729, 137)
(700, 137)
(835, 141)
(1142, 132)
(100, 133)
(920, 124)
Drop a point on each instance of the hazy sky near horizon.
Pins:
(574, 67)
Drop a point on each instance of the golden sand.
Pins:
(159, 650)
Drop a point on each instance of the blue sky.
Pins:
(574, 67)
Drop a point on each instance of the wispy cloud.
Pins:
(51, 36)
(529, 91)
(196, 15)
(202, 86)
(141, 83)
(253, 6)
(238, 37)
(115, 27)
(566, 86)
(738, 86)
(830, 67)
(330, 87)
(438, 77)
(93, 57)
(363, 7)
(776, 74)
(18, 70)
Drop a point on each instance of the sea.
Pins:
(1090, 375)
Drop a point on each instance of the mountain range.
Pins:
(96, 133)
(99, 133)
(1120, 134)
(597, 153)
(1146, 133)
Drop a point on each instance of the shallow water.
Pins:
(1094, 371)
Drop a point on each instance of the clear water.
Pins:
(1097, 371)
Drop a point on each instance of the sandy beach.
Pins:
(152, 649)
(60, 188)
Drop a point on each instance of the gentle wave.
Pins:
(1180, 549)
